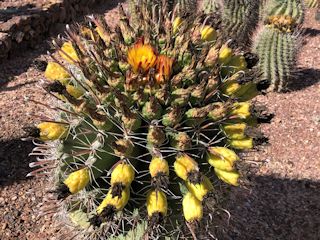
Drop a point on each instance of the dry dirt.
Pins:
(283, 203)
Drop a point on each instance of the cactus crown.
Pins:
(147, 111)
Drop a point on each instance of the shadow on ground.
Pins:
(14, 161)
(23, 57)
(275, 208)
(311, 32)
(304, 78)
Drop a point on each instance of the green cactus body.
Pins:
(142, 130)
(277, 53)
(240, 18)
(292, 8)
(210, 6)
(312, 3)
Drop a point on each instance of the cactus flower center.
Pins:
(141, 57)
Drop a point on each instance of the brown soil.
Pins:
(283, 202)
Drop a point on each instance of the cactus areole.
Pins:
(147, 116)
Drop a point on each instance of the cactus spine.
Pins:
(159, 105)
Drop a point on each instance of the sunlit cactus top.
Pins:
(150, 116)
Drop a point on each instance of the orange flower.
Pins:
(141, 57)
(164, 68)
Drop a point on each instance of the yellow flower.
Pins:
(157, 203)
(222, 158)
(71, 54)
(77, 180)
(55, 72)
(241, 110)
(229, 177)
(235, 64)
(163, 68)
(176, 24)
(241, 144)
(184, 165)
(235, 131)
(225, 55)
(74, 91)
(117, 202)
(52, 131)
(200, 190)
(141, 57)
(122, 173)
(158, 165)
(192, 208)
(208, 33)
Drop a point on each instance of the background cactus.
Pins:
(292, 8)
(277, 44)
(240, 18)
(312, 3)
(145, 114)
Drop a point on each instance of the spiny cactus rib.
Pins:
(146, 112)
(240, 18)
(291, 8)
(211, 6)
(277, 53)
(312, 3)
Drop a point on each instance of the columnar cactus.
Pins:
(150, 119)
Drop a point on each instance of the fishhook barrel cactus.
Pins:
(149, 123)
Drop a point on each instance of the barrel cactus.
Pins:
(149, 123)
(291, 8)
(277, 45)
(312, 3)
(240, 19)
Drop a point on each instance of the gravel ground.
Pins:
(283, 202)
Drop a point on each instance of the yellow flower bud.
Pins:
(117, 202)
(77, 180)
(200, 190)
(235, 131)
(241, 144)
(247, 92)
(176, 24)
(158, 165)
(222, 158)
(184, 165)
(52, 131)
(123, 173)
(230, 177)
(55, 72)
(74, 91)
(225, 55)
(192, 208)
(237, 63)
(208, 33)
(157, 203)
(241, 110)
(70, 51)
